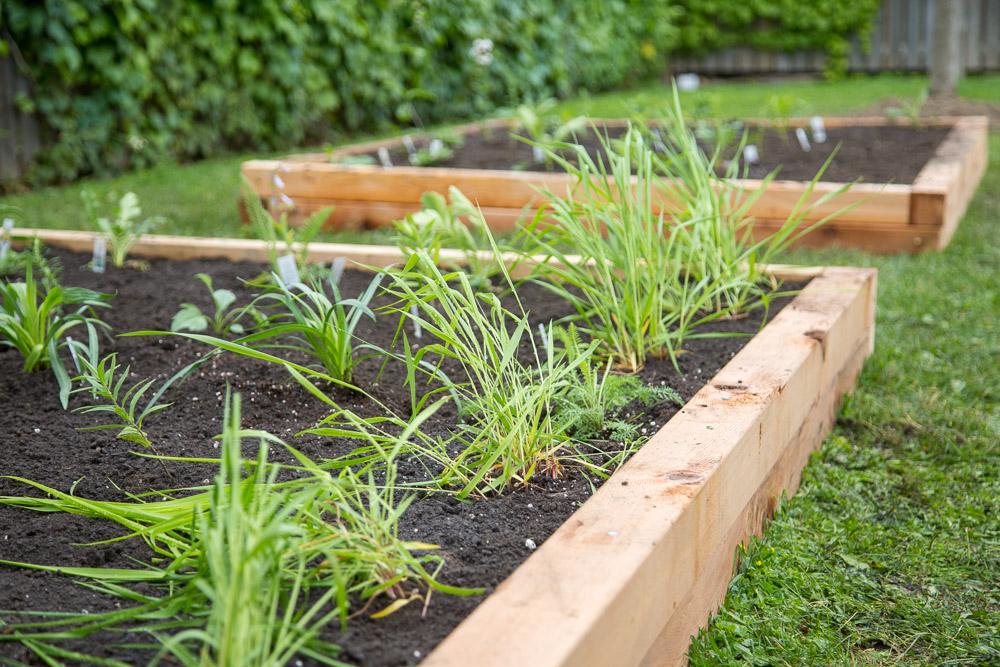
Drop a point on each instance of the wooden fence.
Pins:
(19, 140)
(900, 41)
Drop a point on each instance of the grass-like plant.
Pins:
(712, 223)
(507, 402)
(281, 237)
(250, 570)
(609, 254)
(124, 228)
(321, 326)
(455, 223)
(222, 323)
(33, 321)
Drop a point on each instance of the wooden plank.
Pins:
(871, 237)
(652, 531)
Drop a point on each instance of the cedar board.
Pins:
(885, 218)
(663, 531)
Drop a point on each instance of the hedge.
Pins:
(119, 84)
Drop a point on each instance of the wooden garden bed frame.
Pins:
(638, 569)
(888, 218)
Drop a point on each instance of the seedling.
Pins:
(222, 323)
(124, 228)
(36, 325)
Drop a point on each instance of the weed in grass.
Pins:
(124, 228)
(36, 328)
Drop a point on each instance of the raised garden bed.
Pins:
(888, 216)
(633, 572)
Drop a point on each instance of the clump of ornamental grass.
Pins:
(250, 570)
(711, 219)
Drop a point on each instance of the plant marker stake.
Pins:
(435, 147)
(544, 337)
(337, 269)
(800, 134)
(750, 154)
(100, 254)
(287, 270)
(8, 229)
(408, 142)
(418, 331)
(383, 157)
(818, 129)
(72, 352)
(538, 154)
(658, 144)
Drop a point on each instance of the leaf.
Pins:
(189, 318)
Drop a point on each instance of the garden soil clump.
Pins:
(482, 541)
(869, 154)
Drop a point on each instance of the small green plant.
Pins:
(222, 323)
(780, 109)
(104, 381)
(431, 154)
(33, 321)
(454, 223)
(280, 236)
(593, 402)
(322, 327)
(124, 228)
(544, 127)
(910, 108)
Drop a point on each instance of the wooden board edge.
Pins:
(870, 237)
(707, 595)
(630, 610)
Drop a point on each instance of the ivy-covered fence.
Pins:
(116, 84)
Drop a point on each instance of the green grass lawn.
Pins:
(890, 552)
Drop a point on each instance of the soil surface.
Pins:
(867, 154)
(482, 541)
(937, 107)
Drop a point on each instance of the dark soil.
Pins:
(868, 154)
(482, 541)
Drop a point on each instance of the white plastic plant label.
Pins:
(100, 254)
(543, 335)
(337, 269)
(72, 352)
(538, 154)
(383, 157)
(658, 144)
(687, 83)
(408, 142)
(8, 230)
(418, 331)
(287, 270)
(750, 154)
(800, 134)
(435, 147)
(818, 129)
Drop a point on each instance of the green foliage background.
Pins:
(119, 84)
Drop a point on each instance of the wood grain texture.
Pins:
(368, 196)
(601, 590)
